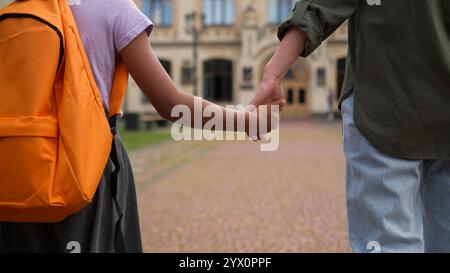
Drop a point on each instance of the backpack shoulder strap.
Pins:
(119, 88)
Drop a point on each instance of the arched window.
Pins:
(290, 75)
(218, 12)
(218, 80)
(159, 11)
(279, 10)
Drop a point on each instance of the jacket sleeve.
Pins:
(318, 19)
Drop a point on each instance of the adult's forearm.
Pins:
(285, 55)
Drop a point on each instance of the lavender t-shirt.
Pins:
(106, 27)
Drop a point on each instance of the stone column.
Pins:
(248, 80)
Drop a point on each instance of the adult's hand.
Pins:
(270, 93)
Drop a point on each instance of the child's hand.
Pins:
(262, 120)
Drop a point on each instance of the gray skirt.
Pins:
(110, 224)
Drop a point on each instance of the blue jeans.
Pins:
(394, 205)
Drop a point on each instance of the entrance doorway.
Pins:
(218, 80)
(296, 86)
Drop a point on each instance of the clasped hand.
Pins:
(266, 107)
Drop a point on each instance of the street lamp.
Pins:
(193, 28)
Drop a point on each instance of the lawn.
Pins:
(144, 138)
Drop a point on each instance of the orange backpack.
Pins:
(55, 139)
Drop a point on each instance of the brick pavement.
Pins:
(230, 197)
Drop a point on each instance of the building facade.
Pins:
(236, 38)
(4, 2)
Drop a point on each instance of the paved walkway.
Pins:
(230, 197)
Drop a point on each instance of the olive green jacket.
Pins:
(398, 68)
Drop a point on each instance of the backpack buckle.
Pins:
(114, 124)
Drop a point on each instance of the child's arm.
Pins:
(275, 70)
(159, 88)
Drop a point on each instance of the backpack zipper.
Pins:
(53, 27)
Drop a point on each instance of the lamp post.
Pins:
(193, 28)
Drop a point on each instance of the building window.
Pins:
(159, 11)
(321, 77)
(168, 67)
(302, 96)
(290, 75)
(218, 80)
(290, 96)
(279, 10)
(187, 75)
(218, 12)
(248, 74)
